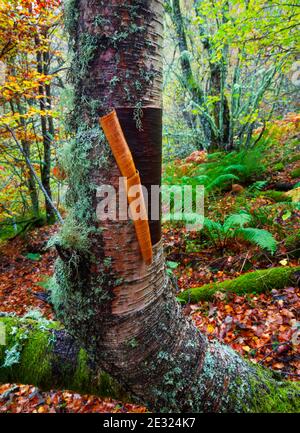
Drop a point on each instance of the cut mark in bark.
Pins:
(114, 134)
(146, 148)
(139, 282)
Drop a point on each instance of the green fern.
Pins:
(233, 227)
(221, 181)
(261, 238)
(258, 185)
(212, 225)
(240, 168)
(195, 180)
(220, 170)
(237, 220)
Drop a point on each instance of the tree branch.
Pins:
(30, 166)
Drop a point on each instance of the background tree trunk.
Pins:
(34, 197)
(31, 183)
(123, 313)
(221, 111)
(188, 78)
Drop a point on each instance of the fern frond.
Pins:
(258, 185)
(221, 180)
(259, 237)
(235, 167)
(214, 228)
(237, 220)
(200, 180)
(193, 180)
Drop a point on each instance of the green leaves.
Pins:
(233, 227)
(221, 181)
(171, 266)
(261, 238)
(33, 256)
(236, 220)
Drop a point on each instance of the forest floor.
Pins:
(262, 327)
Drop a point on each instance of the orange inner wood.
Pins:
(115, 137)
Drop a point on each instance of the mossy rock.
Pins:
(276, 196)
(295, 173)
(294, 194)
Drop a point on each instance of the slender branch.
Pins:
(30, 166)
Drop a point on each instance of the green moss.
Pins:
(32, 344)
(276, 196)
(133, 343)
(271, 395)
(37, 361)
(252, 282)
(295, 173)
(294, 158)
(82, 373)
(73, 235)
(279, 166)
(86, 380)
(34, 353)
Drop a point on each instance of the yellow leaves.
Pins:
(228, 309)
(246, 349)
(210, 328)
(24, 84)
(22, 24)
(42, 409)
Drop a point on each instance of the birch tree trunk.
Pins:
(188, 78)
(122, 312)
